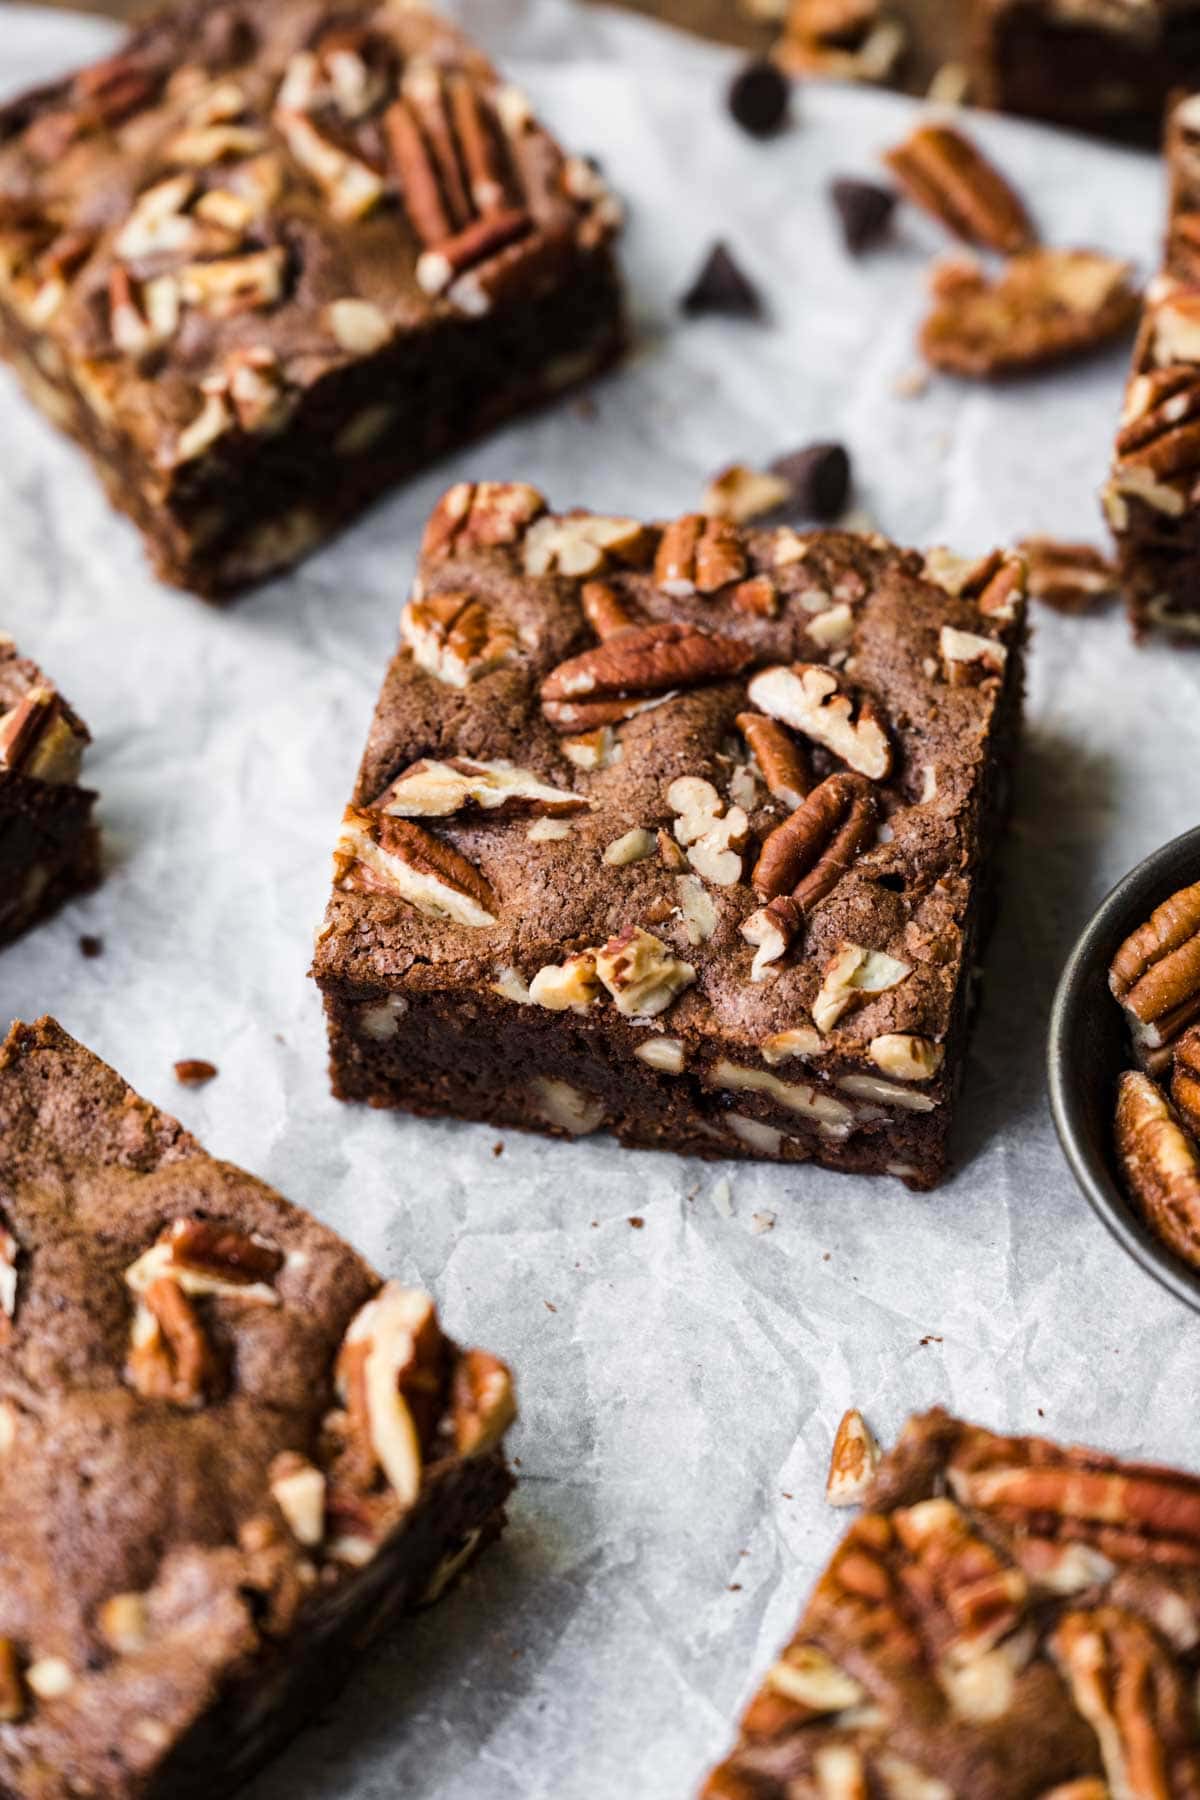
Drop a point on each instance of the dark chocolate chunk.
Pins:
(91, 946)
(820, 478)
(758, 98)
(721, 287)
(865, 211)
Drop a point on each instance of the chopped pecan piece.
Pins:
(813, 699)
(779, 757)
(10, 1252)
(482, 1402)
(944, 173)
(712, 834)
(350, 186)
(40, 738)
(740, 494)
(438, 790)
(1160, 1164)
(852, 1462)
(1156, 972)
(456, 638)
(618, 677)
(481, 515)
(390, 1376)
(699, 555)
(584, 544)
(298, 1490)
(1046, 305)
(208, 1248)
(12, 1685)
(605, 610)
(570, 985)
(642, 974)
(851, 978)
(968, 659)
(381, 855)
(170, 1357)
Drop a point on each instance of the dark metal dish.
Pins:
(1089, 1046)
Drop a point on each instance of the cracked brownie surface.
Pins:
(230, 1454)
(267, 259)
(1008, 1619)
(722, 802)
(49, 847)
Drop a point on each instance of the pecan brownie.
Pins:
(1008, 1620)
(269, 259)
(1150, 499)
(684, 831)
(49, 847)
(231, 1455)
(1100, 65)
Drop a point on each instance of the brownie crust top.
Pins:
(585, 716)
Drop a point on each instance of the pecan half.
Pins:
(376, 854)
(1185, 1079)
(642, 974)
(1156, 972)
(1160, 1164)
(1158, 447)
(1134, 1696)
(639, 665)
(1046, 305)
(482, 1402)
(853, 1461)
(39, 738)
(170, 1357)
(944, 173)
(779, 757)
(437, 790)
(698, 555)
(813, 699)
(482, 515)
(808, 854)
(457, 638)
(1071, 578)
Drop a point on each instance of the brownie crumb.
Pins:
(758, 98)
(91, 946)
(931, 1337)
(637, 1223)
(721, 287)
(497, 1149)
(549, 1306)
(194, 1072)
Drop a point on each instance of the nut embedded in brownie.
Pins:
(49, 847)
(684, 831)
(266, 261)
(1101, 65)
(231, 1455)
(1150, 500)
(1008, 1620)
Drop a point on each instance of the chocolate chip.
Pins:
(720, 287)
(758, 98)
(864, 210)
(820, 480)
(91, 946)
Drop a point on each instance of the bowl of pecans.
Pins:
(1124, 1064)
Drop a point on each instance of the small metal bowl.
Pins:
(1089, 1046)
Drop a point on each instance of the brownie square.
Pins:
(1151, 498)
(684, 831)
(1008, 1620)
(231, 1456)
(269, 259)
(49, 847)
(1100, 65)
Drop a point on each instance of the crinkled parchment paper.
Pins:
(680, 1383)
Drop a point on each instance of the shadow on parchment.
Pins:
(1047, 891)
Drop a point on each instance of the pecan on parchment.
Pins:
(1045, 306)
(944, 173)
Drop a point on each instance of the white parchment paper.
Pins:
(680, 1383)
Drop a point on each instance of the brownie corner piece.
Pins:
(1150, 499)
(49, 845)
(683, 831)
(231, 1455)
(1008, 1619)
(266, 261)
